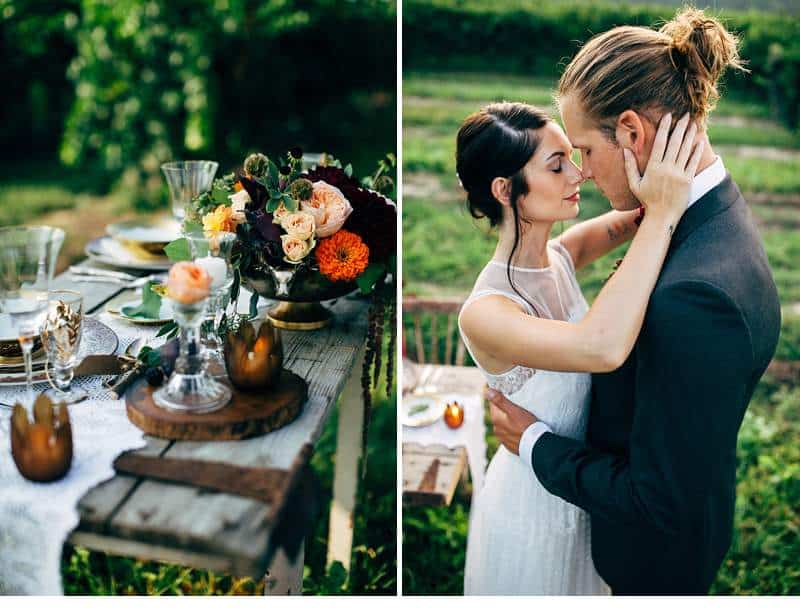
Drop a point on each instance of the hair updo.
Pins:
(676, 69)
(497, 141)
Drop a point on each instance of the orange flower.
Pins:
(237, 186)
(343, 256)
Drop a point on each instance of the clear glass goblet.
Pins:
(212, 252)
(61, 335)
(27, 262)
(187, 180)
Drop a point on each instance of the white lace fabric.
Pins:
(36, 518)
(522, 539)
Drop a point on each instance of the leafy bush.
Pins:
(540, 38)
(158, 80)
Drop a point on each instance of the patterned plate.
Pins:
(97, 339)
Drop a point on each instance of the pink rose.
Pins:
(329, 207)
(188, 283)
(299, 224)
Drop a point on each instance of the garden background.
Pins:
(462, 54)
(100, 92)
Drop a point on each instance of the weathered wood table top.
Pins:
(178, 523)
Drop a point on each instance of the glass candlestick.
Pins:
(212, 252)
(190, 388)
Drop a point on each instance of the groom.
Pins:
(657, 472)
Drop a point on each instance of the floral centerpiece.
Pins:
(307, 235)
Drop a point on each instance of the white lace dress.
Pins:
(523, 540)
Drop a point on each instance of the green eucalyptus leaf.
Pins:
(371, 275)
(167, 328)
(178, 250)
(149, 308)
(192, 227)
(272, 174)
(220, 194)
(289, 202)
(254, 305)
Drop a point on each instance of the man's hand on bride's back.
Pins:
(508, 420)
(664, 189)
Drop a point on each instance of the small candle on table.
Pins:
(216, 267)
(454, 414)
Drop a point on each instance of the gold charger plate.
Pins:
(145, 239)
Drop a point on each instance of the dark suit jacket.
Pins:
(658, 470)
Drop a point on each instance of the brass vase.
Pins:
(299, 290)
(254, 358)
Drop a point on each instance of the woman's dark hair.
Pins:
(497, 141)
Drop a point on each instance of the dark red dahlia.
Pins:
(374, 219)
(334, 176)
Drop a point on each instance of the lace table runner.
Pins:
(36, 518)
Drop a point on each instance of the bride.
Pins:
(530, 331)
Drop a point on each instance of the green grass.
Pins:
(444, 249)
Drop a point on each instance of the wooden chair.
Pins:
(436, 312)
(431, 474)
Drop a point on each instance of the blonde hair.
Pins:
(676, 69)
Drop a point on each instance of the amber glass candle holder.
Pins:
(42, 448)
(254, 357)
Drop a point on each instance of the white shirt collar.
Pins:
(707, 180)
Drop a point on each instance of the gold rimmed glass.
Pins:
(61, 335)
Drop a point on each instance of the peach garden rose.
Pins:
(299, 224)
(295, 249)
(188, 283)
(329, 207)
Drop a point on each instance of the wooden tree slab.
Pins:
(247, 415)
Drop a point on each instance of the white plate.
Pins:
(97, 338)
(164, 315)
(413, 414)
(108, 251)
(156, 231)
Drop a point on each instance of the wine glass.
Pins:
(27, 262)
(212, 252)
(61, 335)
(187, 180)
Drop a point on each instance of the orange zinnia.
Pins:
(343, 256)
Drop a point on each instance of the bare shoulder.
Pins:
(485, 312)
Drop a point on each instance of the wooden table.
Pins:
(431, 473)
(185, 525)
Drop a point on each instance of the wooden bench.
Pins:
(431, 473)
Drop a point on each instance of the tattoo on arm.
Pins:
(614, 235)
